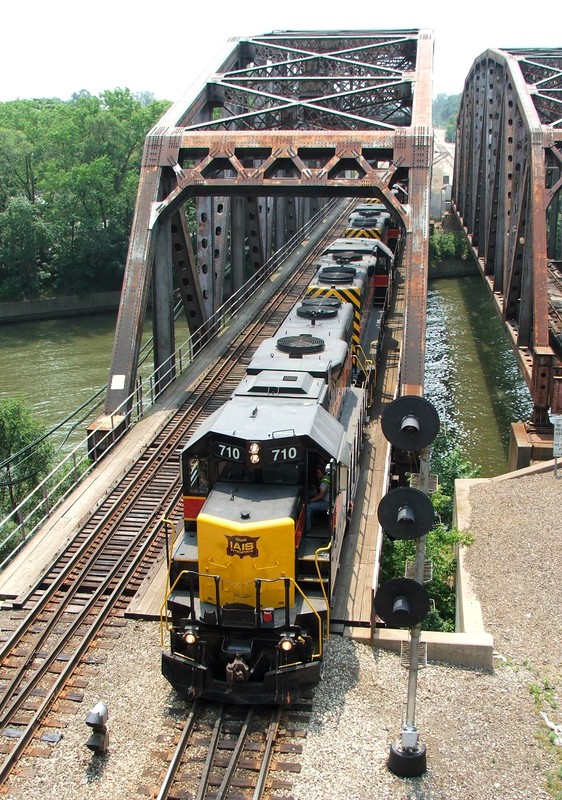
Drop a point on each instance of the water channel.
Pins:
(471, 374)
(472, 377)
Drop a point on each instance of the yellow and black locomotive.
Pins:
(252, 574)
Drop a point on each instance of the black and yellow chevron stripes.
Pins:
(346, 295)
(362, 233)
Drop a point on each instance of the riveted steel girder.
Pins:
(505, 191)
(286, 118)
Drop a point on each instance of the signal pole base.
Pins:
(408, 763)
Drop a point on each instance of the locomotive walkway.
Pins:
(359, 567)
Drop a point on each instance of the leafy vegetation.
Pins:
(445, 110)
(448, 463)
(440, 547)
(28, 459)
(22, 466)
(447, 245)
(68, 181)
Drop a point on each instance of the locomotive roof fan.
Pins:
(345, 256)
(300, 345)
(335, 275)
(334, 302)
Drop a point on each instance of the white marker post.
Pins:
(557, 444)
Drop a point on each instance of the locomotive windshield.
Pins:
(283, 474)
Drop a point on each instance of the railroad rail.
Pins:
(555, 299)
(224, 749)
(101, 569)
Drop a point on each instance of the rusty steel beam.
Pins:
(286, 119)
(185, 268)
(417, 239)
(506, 175)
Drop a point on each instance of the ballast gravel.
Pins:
(484, 733)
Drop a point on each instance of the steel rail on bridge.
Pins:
(288, 120)
(506, 194)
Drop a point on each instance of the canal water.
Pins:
(471, 374)
(56, 365)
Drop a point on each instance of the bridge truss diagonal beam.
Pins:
(286, 119)
(506, 190)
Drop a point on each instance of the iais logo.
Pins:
(242, 546)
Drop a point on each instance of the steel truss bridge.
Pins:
(290, 120)
(506, 192)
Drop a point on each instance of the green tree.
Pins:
(25, 458)
(92, 179)
(17, 175)
(445, 107)
(24, 245)
(447, 245)
(451, 130)
(78, 162)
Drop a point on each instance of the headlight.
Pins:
(190, 636)
(254, 451)
(286, 642)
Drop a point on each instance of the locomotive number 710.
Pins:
(228, 451)
(285, 454)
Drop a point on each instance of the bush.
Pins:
(448, 463)
(440, 547)
(25, 455)
(440, 550)
(447, 245)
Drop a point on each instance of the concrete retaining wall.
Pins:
(452, 268)
(56, 307)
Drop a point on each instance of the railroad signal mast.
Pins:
(410, 424)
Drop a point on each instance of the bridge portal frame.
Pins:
(288, 118)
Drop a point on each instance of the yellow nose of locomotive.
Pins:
(240, 545)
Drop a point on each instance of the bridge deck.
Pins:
(353, 605)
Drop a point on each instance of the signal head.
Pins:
(410, 423)
(406, 513)
(401, 602)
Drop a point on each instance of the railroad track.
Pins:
(555, 298)
(101, 569)
(224, 752)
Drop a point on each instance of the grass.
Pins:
(544, 694)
